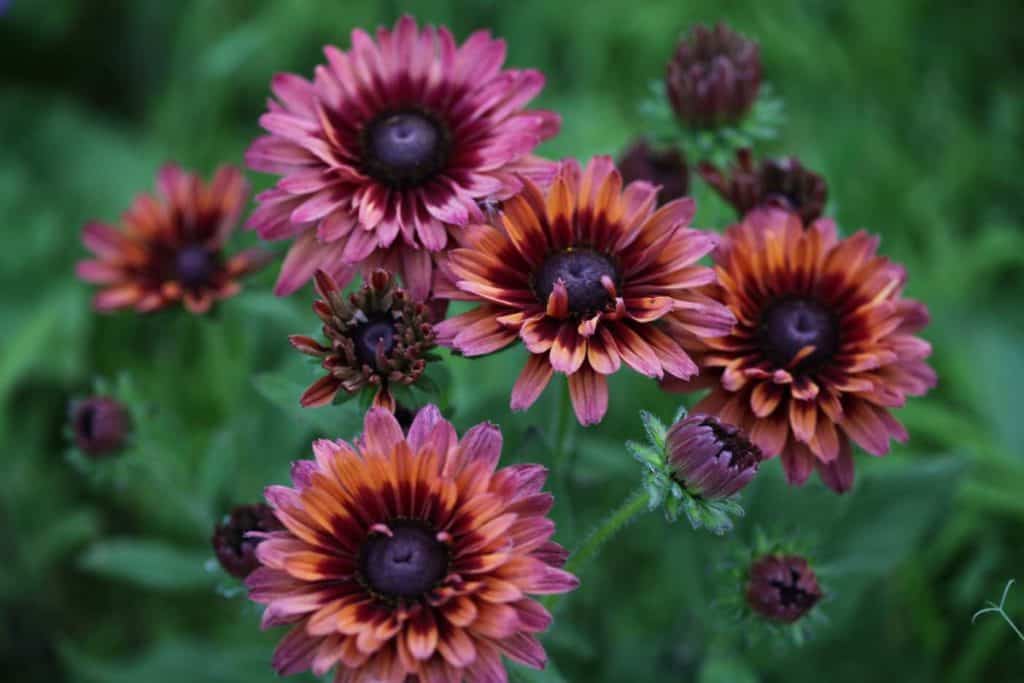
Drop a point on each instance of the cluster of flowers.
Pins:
(409, 159)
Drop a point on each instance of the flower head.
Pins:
(663, 167)
(584, 276)
(389, 149)
(377, 338)
(410, 557)
(232, 543)
(714, 77)
(171, 245)
(781, 183)
(99, 425)
(696, 466)
(782, 588)
(823, 347)
(709, 458)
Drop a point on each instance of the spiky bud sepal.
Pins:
(378, 340)
(715, 145)
(690, 470)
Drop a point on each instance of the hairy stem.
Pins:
(610, 526)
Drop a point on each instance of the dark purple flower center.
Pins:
(406, 564)
(789, 325)
(195, 265)
(731, 440)
(792, 595)
(405, 149)
(374, 333)
(581, 270)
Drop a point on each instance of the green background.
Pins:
(913, 111)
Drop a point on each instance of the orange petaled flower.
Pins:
(824, 345)
(170, 247)
(585, 277)
(409, 558)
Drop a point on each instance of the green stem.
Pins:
(620, 517)
(634, 504)
(564, 420)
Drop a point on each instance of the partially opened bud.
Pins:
(781, 183)
(377, 339)
(782, 588)
(696, 467)
(235, 549)
(710, 458)
(100, 425)
(714, 77)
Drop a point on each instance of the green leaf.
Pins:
(655, 428)
(329, 421)
(173, 661)
(148, 563)
(645, 454)
(726, 668)
(523, 674)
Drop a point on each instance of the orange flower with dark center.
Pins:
(170, 247)
(409, 558)
(823, 346)
(584, 276)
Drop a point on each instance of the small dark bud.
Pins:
(664, 167)
(714, 77)
(236, 551)
(100, 425)
(782, 588)
(776, 183)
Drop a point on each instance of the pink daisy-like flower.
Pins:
(389, 149)
(410, 558)
(586, 277)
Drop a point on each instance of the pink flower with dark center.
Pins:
(410, 557)
(586, 277)
(169, 249)
(386, 154)
(824, 346)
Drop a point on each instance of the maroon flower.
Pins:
(234, 547)
(171, 247)
(709, 458)
(781, 183)
(100, 425)
(389, 150)
(665, 168)
(714, 76)
(782, 588)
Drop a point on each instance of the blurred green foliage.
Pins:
(913, 111)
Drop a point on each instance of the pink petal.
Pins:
(381, 431)
(531, 382)
(589, 393)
